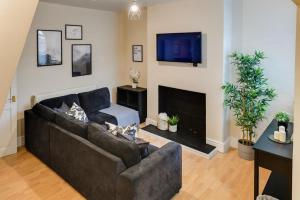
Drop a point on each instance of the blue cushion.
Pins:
(125, 116)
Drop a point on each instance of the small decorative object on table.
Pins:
(135, 75)
(173, 121)
(283, 119)
(280, 136)
(162, 122)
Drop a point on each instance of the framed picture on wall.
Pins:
(81, 59)
(49, 47)
(73, 32)
(137, 53)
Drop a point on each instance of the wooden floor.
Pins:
(225, 177)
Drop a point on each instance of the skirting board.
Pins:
(234, 142)
(222, 147)
(7, 151)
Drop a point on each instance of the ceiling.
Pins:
(112, 5)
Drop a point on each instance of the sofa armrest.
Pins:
(159, 176)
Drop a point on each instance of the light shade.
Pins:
(134, 12)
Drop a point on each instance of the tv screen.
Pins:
(179, 47)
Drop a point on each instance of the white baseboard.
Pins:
(221, 146)
(5, 151)
(234, 142)
(21, 141)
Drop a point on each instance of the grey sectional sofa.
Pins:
(96, 163)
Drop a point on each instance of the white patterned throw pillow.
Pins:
(77, 112)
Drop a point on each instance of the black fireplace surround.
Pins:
(190, 107)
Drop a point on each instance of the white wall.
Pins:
(206, 16)
(270, 26)
(134, 32)
(100, 28)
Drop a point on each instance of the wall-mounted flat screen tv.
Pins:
(179, 47)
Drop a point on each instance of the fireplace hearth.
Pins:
(191, 109)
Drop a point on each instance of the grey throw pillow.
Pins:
(63, 108)
(78, 113)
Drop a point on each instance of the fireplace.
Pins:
(191, 109)
(189, 106)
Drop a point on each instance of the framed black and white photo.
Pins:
(137, 53)
(49, 47)
(81, 59)
(73, 32)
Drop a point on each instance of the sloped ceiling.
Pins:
(111, 5)
(15, 19)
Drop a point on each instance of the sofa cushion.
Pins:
(101, 118)
(63, 108)
(129, 152)
(58, 101)
(95, 100)
(142, 144)
(45, 112)
(72, 125)
(78, 113)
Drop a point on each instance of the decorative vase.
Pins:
(246, 152)
(134, 85)
(162, 123)
(285, 124)
(173, 128)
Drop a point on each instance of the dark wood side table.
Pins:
(277, 158)
(135, 98)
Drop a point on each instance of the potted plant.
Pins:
(283, 119)
(248, 98)
(173, 121)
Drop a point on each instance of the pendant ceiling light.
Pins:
(134, 12)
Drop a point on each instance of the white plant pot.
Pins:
(134, 85)
(173, 128)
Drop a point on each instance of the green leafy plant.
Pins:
(173, 120)
(282, 117)
(249, 97)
